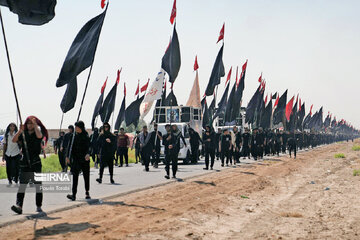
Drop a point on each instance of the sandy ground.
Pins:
(287, 199)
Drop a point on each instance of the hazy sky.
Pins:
(310, 47)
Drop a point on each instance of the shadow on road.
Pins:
(205, 183)
(121, 203)
(62, 228)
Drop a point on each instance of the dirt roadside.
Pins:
(315, 196)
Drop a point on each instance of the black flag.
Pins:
(266, 116)
(238, 96)
(108, 105)
(69, 99)
(132, 112)
(212, 109)
(251, 107)
(222, 104)
(170, 100)
(205, 110)
(217, 72)
(82, 51)
(32, 12)
(301, 116)
(171, 61)
(121, 116)
(228, 112)
(279, 112)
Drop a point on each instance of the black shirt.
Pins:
(33, 147)
(246, 139)
(225, 141)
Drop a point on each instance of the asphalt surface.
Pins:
(127, 180)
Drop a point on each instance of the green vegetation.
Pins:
(356, 172)
(356, 148)
(339, 155)
(52, 164)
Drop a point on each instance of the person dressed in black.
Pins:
(195, 141)
(94, 148)
(209, 144)
(291, 142)
(57, 148)
(236, 140)
(30, 162)
(217, 140)
(11, 154)
(146, 147)
(261, 142)
(284, 137)
(246, 137)
(225, 147)
(66, 143)
(156, 137)
(136, 145)
(278, 142)
(80, 159)
(169, 142)
(107, 148)
(254, 143)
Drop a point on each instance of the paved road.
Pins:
(127, 179)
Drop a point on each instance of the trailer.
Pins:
(184, 117)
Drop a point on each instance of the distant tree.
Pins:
(2, 131)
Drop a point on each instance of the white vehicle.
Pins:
(184, 118)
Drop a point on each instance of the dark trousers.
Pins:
(145, 156)
(137, 155)
(292, 148)
(27, 176)
(62, 160)
(194, 152)
(283, 148)
(122, 152)
(225, 152)
(155, 157)
(107, 161)
(236, 155)
(260, 150)
(12, 167)
(277, 148)
(84, 167)
(95, 157)
(246, 151)
(171, 158)
(209, 153)
(217, 153)
(254, 151)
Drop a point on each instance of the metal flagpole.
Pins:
(13, 85)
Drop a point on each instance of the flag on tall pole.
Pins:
(154, 93)
(34, 12)
(173, 13)
(289, 107)
(143, 88)
(109, 103)
(229, 76)
(82, 51)
(171, 60)
(138, 89)
(217, 72)
(221, 35)
(279, 112)
(98, 105)
(196, 65)
(121, 116)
